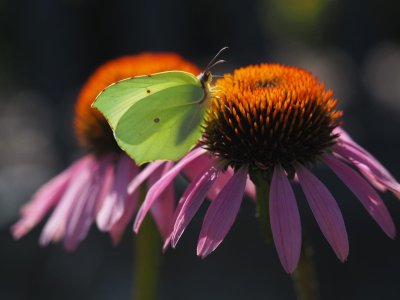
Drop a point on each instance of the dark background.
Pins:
(49, 47)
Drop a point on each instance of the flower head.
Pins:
(275, 122)
(94, 188)
(267, 115)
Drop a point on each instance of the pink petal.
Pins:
(285, 220)
(353, 151)
(44, 199)
(82, 214)
(143, 175)
(118, 228)
(156, 190)
(55, 226)
(220, 182)
(114, 203)
(107, 181)
(193, 198)
(326, 212)
(343, 135)
(163, 209)
(368, 165)
(222, 213)
(223, 178)
(196, 166)
(170, 232)
(86, 206)
(367, 195)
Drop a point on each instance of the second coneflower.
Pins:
(94, 188)
(274, 123)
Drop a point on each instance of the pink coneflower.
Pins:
(273, 123)
(94, 188)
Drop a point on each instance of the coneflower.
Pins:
(94, 188)
(274, 123)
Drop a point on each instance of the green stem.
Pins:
(262, 183)
(147, 257)
(304, 276)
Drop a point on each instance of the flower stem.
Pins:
(147, 257)
(304, 276)
(262, 182)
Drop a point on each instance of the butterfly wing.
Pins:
(156, 117)
(165, 126)
(116, 99)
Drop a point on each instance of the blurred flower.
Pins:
(94, 188)
(274, 123)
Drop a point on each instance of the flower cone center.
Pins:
(270, 114)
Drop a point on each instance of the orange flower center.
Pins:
(270, 114)
(92, 130)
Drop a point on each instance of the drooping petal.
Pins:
(114, 203)
(55, 227)
(193, 197)
(222, 213)
(84, 211)
(356, 154)
(118, 228)
(285, 220)
(163, 209)
(364, 192)
(170, 232)
(81, 215)
(107, 168)
(326, 212)
(368, 165)
(44, 200)
(143, 175)
(156, 190)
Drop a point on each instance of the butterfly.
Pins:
(157, 116)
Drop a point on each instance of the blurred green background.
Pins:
(49, 47)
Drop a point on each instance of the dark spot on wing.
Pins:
(156, 120)
(148, 75)
(148, 91)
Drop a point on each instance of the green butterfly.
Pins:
(157, 116)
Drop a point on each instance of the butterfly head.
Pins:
(205, 78)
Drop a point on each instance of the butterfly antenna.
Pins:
(221, 61)
(212, 63)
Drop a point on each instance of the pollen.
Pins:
(91, 128)
(270, 114)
